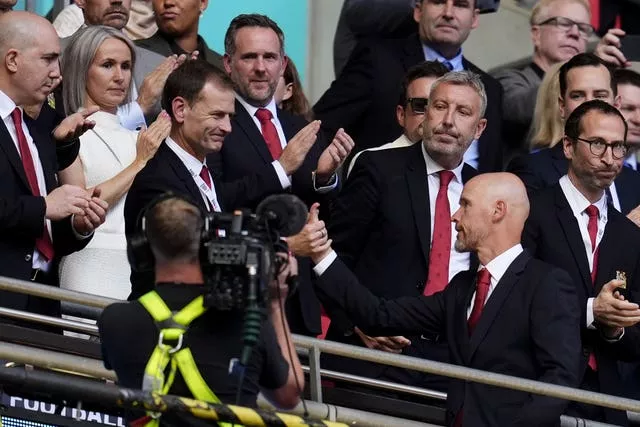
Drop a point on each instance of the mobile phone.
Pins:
(630, 46)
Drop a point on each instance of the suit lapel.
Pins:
(183, 174)
(607, 252)
(8, 146)
(44, 146)
(571, 230)
(416, 177)
(248, 126)
(463, 300)
(496, 300)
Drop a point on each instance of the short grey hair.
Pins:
(77, 58)
(464, 78)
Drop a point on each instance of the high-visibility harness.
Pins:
(172, 328)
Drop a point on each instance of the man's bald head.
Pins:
(493, 210)
(19, 30)
(29, 50)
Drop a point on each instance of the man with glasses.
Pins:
(394, 215)
(414, 96)
(559, 30)
(583, 78)
(572, 226)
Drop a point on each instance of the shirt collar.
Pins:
(188, 159)
(499, 265)
(577, 201)
(251, 109)
(6, 105)
(632, 161)
(536, 69)
(433, 167)
(433, 55)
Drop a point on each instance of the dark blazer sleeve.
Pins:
(521, 167)
(349, 96)
(379, 317)
(248, 191)
(555, 338)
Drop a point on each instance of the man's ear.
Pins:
(11, 60)
(178, 107)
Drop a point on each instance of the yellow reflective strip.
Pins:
(172, 376)
(247, 416)
(193, 378)
(190, 312)
(155, 306)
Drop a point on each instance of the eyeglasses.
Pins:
(418, 105)
(598, 147)
(566, 24)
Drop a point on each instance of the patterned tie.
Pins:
(441, 245)
(592, 228)
(44, 245)
(483, 283)
(269, 132)
(204, 174)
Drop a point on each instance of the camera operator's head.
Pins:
(200, 101)
(173, 228)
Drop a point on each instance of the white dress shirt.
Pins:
(497, 267)
(6, 107)
(472, 155)
(578, 203)
(194, 166)
(458, 261)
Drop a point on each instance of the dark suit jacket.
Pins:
(544, 168)
(528, 328)
(22, 218)
(380, 226)
(159, 44)
(552, 234)
(244, 156)
(363, 99)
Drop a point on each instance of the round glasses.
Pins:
(598, 147)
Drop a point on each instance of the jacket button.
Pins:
(27, 257)
(419, 286)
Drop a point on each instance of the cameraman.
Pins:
(129, 334)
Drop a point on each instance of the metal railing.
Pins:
(54, 360)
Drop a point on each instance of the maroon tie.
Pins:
(592, 228)
(441, 244)
(269, 132)
(482, 290)
(43, 243)
(204, 174)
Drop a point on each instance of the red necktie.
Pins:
(592, 228)
(43, 243)
(483, 283)
(269, 132)
(441, 245)
(204, 174)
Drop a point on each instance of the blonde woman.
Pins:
(547, 127)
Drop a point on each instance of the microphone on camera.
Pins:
(285, 213)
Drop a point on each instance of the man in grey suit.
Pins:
(559, 30)
(150, 71)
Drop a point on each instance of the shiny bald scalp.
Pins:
(508, 188)
(19, 30)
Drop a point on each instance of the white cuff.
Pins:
(590, 317)
(285, 181)
(77, 235)
(333, 183)
(326, 262)
(131, 116)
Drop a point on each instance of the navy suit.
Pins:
(528, 328)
